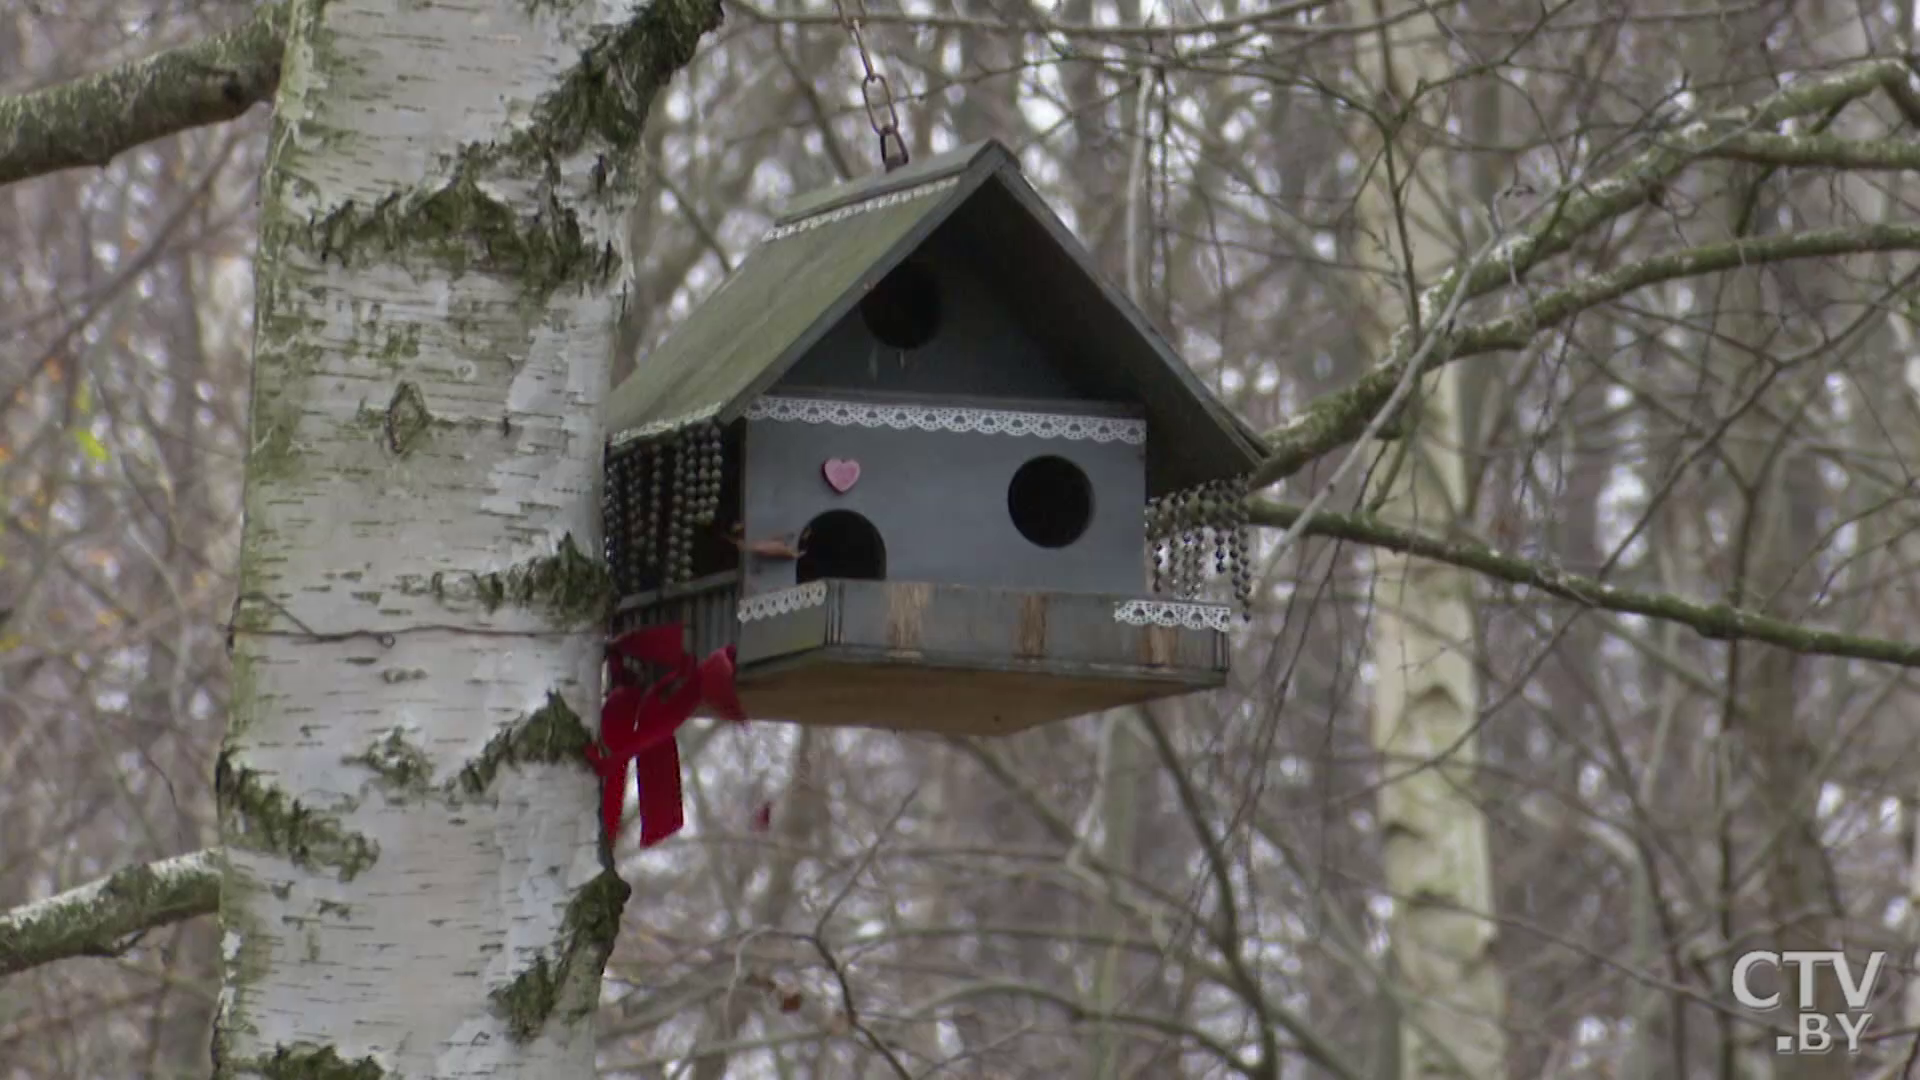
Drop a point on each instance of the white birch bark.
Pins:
(414, 883)
(1425, 691)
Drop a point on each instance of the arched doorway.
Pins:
(841, 544)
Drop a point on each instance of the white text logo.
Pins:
(1813, 1031)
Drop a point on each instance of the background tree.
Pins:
(1672, 296)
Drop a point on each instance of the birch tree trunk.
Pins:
(414, 879)
(1122, 750)
(1425, 691)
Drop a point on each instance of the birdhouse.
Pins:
(909, 460)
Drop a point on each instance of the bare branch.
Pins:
(1338, 418)
(1516, 330)
(105, 917)
(1079, 1012)
(92, 119)
(1342, 416)
(1226, 933)
(1820, 151)
(1722, 622)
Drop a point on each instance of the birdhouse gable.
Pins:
(936, 325)
(949, 276)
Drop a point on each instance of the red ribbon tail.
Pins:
(716, 684)
(658, 770)
(620, 718)
(638, 724)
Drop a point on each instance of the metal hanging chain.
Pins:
(893, 146)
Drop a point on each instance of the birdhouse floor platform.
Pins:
(964, 659)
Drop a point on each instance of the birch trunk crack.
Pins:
(415, 883)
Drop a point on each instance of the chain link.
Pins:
(876, 94)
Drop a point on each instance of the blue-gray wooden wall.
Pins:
(939, 502)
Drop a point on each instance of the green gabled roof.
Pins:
(788, 292)
(829, 248)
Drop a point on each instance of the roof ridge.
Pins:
(831, 213)
(867, 189)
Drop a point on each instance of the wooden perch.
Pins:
(784, 546)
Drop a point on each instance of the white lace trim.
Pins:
(948, 418)
(881, 202)
(1189, 615)
(783, 601)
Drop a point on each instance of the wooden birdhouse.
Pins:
(909, 459)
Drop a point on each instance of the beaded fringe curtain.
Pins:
(657, 494)
(1190, 528)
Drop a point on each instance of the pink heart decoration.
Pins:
(841, 474)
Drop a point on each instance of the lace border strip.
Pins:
(1183, 614)
(880, 202)
(783, 601)
(1100, 429)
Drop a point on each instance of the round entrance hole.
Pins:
(904, 309)
(841, 544)
(1051, 501)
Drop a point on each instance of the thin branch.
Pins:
(93, 119)
(851, 1012)
(1225, 932)
(106, 917)
(1720, 622)
(1079, 1012)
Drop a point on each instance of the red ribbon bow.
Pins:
(638, 722)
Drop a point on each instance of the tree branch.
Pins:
(1720, 622)
(1820, 150)
(1550, 309)
(1338, 418)
(105, 918)
(92, 119)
